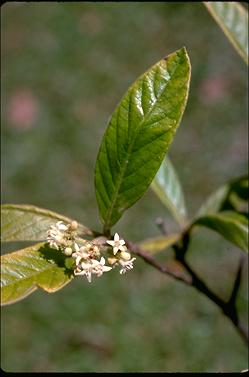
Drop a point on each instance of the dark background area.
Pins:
(65, 67)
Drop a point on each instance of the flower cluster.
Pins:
(122, 256)
(87, 254)
(62, 236)
(87, 263)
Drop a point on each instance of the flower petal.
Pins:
(116, 237)
(112, 243)
(115, 250)
(102, 261)
(122, 248)
(106, 268)
(76, 247)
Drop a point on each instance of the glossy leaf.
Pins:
(157, 244)
(229, 224)
(232, 195)
(168, 188)
(23, 271)
(139, 134)
(232, 17)
(30, 223)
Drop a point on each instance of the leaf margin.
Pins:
(33, 251)
(39, 212)
(180, 215)
(233, 41)
(109, 221)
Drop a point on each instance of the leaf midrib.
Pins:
(125, 165)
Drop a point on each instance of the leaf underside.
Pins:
(23, 271)
(231, 196)
(232, 17)
(30, 223)
(168, 188)
(231, 225)
(157, 244)
(139, 134)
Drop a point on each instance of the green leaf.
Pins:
(232, 195)
(23, 271)
(214, 202)
(157, 244)
(139, 134)
(168, 188)
(231, 225)
(232, 17)
(30, 223)
(240, 187)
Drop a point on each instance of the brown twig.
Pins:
(237, 282)
(152, 261)
(229, 307)
(192, 279)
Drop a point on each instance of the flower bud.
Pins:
(96, 250)
(68, 251)
(74, 225)
(58, 239)
(111, 261)
(125, 255)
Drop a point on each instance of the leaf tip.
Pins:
(181, 53)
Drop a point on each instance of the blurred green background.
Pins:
(65, 66)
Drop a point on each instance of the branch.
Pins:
(152, 261)
(227, 307)
(200, 285)
(237, 283)
(162, 225)
(230, 308)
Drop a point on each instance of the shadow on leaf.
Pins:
(58, 258)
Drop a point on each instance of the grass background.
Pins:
(65, 66)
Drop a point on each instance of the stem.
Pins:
(237, 282)
(106, 231)
(162, 268)
(228, 308)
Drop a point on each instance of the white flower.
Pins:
(79, 253)
(62, 236)
(126, 265)
(84, 269)
(61, 226)
(88, 250)
(92, 266)
(93, 250)
(100, 267)
(117, 244)
(56, 235)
